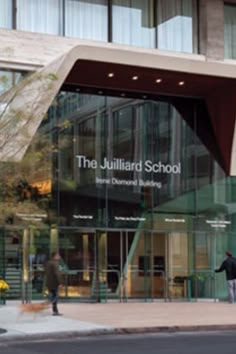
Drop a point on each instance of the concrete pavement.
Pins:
(109, 318)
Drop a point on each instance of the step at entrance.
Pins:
(13, 278)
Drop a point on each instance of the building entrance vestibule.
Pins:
(101, 265)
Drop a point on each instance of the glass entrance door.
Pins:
(115, 249)
(137, 267)
(119, 273)
(123, 265)
(207, 247)
(78, 263)
(178, 264)
(159, 265)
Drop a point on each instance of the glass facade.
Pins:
(133, 23)
(136, 204)
(86, 19)
(39, 16)
(230, 31)
(176, 25)
(163, 24)
(8, 79)
(125, 189)
(6, 14)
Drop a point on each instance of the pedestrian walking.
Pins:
(229, 266)
(53, 281)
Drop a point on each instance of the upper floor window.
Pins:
(5, 14)
(164, 24)
(86, 19)
(43, 16)
(176, 25)
(230, 31)
(172, 26)
(133, 22)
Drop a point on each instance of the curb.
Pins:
(116, 331)
(56, 335)
(173, 329)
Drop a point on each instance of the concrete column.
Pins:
(211, 28)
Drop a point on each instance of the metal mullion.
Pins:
(195, 26)
(127, 259)
(155, 15)
(167, 297)
(14, 14)
(109, 20)
(63, 9)
(121, 280)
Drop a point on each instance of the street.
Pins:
(178, 343)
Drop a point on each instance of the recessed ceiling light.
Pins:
(158, 81)
(135, 77)
(111, 75)
(181, 83)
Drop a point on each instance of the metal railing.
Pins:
(175, 284)
(195, 283)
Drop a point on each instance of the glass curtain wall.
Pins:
(99, 164)
(8, 79)
(123, 160)
(86, 19)
(133, 22)
(163, 24)
(230, 31)
(175, 25)
(44, 16)
(6, 14)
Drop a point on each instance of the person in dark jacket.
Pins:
(53, 281)
(229, 266)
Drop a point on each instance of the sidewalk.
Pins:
(110, 318)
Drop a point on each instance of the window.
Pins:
(176, 25)
(86, 19)
(133, 22)
(5, 14)
(8, 79)
(230, 31)
(163, 24)
(172, 25)
(44, 16)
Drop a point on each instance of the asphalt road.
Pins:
(199, 343)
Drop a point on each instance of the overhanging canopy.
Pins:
(183, 78)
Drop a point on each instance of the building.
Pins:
(117, 146)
